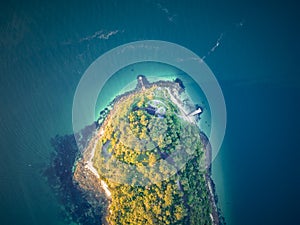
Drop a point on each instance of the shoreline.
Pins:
(89, 152)
(216, 212)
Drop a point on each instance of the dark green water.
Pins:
(46, 47)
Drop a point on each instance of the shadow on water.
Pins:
(59, 175)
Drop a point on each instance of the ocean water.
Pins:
(126, 79)
(252, 48)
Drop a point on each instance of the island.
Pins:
(148, 161)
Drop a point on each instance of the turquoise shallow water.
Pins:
(46, 47)
(126, 80)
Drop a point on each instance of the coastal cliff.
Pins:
(162, 174)
(190, 190)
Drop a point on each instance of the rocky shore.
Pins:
(87, 182)
(216, 215)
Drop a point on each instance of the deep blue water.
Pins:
(45, 47)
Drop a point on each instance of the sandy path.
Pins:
(89, 161)
(184, 114)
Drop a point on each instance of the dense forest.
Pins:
(157, 162)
